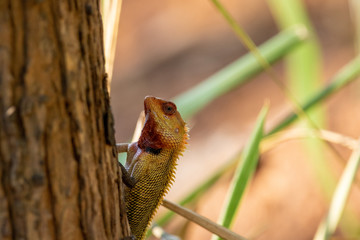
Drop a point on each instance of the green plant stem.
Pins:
(238, 72)
(345, 76)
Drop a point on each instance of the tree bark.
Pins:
(58, 169)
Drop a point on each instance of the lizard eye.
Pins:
(169, 108)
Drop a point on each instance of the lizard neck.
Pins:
(150, 139)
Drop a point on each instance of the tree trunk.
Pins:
(58, 169)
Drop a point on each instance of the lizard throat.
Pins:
(150, 140)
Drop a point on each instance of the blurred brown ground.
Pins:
(165, 47)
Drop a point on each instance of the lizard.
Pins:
(151, 162)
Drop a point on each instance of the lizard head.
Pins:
(164, 127)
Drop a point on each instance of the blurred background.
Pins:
(166, 47)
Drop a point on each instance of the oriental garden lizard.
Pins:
(151, 162)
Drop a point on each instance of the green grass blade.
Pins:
(243, 36)
(304, 71)
(304, 64)
(304, 67)
(329, 224)
(346, 75)
(238, 72)
(354, 7)
(244, 172)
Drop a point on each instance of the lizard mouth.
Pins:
(147, 102)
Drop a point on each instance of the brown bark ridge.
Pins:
(58, 173)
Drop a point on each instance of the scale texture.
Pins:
(152, 161)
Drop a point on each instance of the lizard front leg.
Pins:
(126, 177)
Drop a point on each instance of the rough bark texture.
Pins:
(59, 178)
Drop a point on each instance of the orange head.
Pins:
(164, 127)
